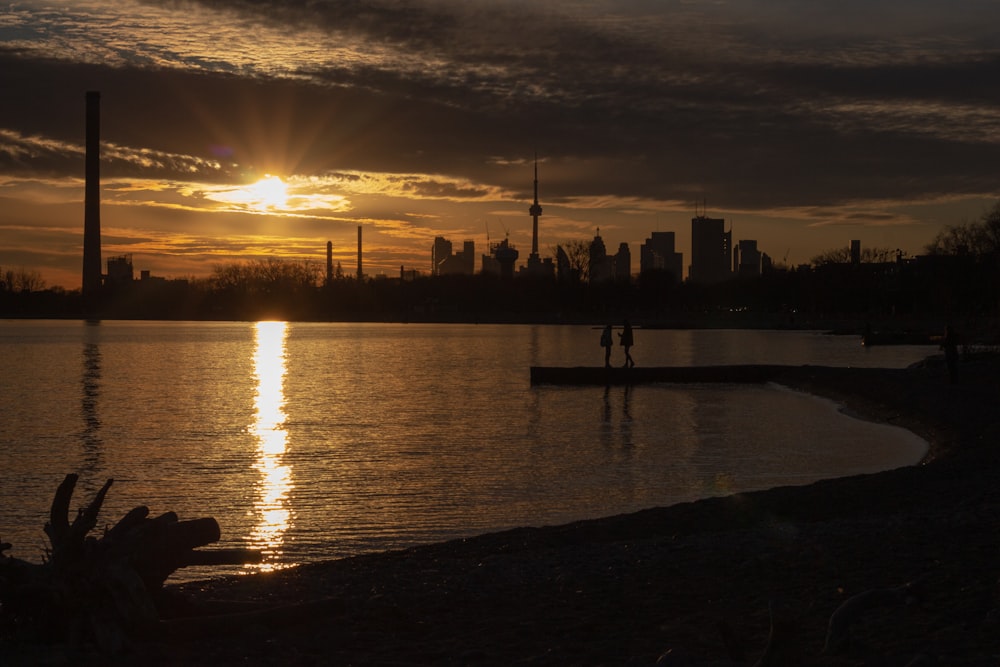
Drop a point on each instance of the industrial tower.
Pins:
(92, 201)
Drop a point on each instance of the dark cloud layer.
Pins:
(504, 80)
(758, 105)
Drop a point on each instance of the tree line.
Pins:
(21, 280)
(978, 238)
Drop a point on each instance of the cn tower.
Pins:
(535, 210)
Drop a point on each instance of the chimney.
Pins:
(360, 274)
(92, 200)
(329, 262)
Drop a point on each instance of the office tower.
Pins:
(623, 262)
(599, 266)
(711, 250)
(747, 259)
(440, 251)
(658, 253)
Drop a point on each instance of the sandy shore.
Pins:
(693, 584)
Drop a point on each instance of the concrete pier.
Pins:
(599, 375)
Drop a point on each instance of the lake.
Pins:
(311, 441)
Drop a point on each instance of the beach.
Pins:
(747, 579)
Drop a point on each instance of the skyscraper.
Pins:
(440, 251)
(747, 259)
(711, 250)
(468, 257)
(599, 264)
(658, 253)
(623, 262)
(446, 263)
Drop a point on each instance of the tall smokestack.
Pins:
(360, 274)
(329, 262)
(92, 199)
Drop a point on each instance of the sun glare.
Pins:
(269, 193)
(275, 485)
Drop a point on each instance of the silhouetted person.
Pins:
(950, 346)
(606, 342)
(627, 341)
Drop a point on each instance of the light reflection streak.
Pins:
(271, 504)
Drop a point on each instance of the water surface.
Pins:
(312, 441)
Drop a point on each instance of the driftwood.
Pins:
(101, 589)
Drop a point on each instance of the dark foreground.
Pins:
(694, 584)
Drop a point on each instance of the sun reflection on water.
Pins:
(275, 483)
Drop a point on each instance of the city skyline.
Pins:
(233, 132)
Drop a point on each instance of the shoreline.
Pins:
(683, 585)
(925, 439)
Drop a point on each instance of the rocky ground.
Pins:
(749, 579)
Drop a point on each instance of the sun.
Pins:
(268, 194)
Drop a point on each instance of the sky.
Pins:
(239, 129)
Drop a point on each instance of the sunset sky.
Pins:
(241, 128)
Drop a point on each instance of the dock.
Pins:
(616, 375)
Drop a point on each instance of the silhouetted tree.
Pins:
(980, 238)
(578, 253)
(267, 275)
(842, 255)
(269, 287)
(21, 280)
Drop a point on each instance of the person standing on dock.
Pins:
(606, 342)
(627, 342)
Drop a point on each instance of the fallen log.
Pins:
(102, 590)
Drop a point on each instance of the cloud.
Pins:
(371, 110)
(847, 217)
(421, 86)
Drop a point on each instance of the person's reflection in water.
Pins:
(606, 343)
(605, 431)
(626, 425)
(624, 430)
